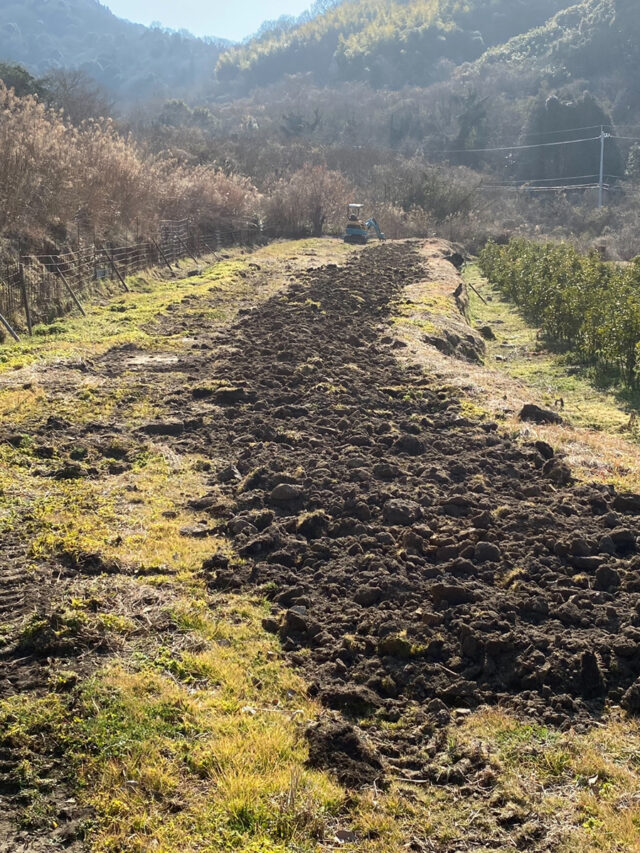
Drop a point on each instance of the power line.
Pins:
(527, 185)
(547, 180)
(517, 147)
(526, 188)
(566, 130)
(524, 181)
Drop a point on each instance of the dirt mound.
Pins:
(339, 747)
(408, 550)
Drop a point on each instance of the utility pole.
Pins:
(603, 136)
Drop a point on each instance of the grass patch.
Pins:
(519, 351)
(135, 519)
(116, 322)
(588, 783)
(310, 247)
(187, 749)
(424, 310)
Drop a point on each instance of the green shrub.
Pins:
(577, 300)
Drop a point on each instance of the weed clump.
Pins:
(71, 631)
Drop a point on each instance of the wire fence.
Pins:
(40, 288)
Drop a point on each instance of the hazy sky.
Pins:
(232, 19)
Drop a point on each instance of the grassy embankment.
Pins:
(601, 433)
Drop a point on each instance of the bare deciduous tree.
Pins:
(77, 95)
(307, 201)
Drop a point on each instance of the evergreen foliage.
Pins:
(387, 44)
(551, 119)
(18, 78)
(578, 301)
(595, 40)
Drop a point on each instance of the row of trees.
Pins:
(578, 300)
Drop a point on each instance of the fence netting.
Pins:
(39, 288)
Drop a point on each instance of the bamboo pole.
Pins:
(186, 248)
(9, 329)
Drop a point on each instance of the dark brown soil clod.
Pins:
(415, 556)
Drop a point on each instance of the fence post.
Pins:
(68, 286)
(25, 296)
(115, 268)
(163, 256)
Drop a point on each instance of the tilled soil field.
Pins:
(418, 562)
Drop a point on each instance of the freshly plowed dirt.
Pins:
(418, 562)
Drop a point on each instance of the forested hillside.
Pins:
(387, 44)
(483, 115)
(130, 61)
(597, 41)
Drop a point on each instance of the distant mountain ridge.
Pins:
(386, 43)
(595, 41)
(488, 45)
(131, 61)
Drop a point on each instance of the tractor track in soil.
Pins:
(22, 594)
(417, 562)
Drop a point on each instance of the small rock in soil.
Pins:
(631, 698)
(401, 512)
(229, 395)
(487, 552)
(545, 450)
(625, 540)
(607, 578)
(286, 492)
(398, 647)
(410, 445)
(356, 700)
(487, 333)
(312, 525)
(229, 474)
(558, 472)
(451, 594)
